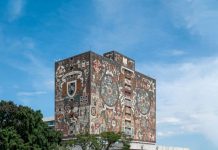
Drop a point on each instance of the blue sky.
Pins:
(175, 42)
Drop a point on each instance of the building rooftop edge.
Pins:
(146, 76)
(114, 51)
(86, 52)
(92, 52)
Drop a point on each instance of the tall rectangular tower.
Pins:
(96, 93)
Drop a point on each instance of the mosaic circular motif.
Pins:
(143, 102)
(109, 90)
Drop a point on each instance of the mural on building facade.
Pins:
(145, 108)
(72, 95)
(105, 96)
(96, 94)
(121, 100)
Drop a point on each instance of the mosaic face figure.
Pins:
(109, 90)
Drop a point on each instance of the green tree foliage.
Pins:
(9, 139)
(109, 138)
(23, 128)
(85, 141)
(104, 141)
(125, 141)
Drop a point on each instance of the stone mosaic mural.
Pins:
(72, 95)
(96, 94)
(121, 100)
(145, 108)
(105, 95)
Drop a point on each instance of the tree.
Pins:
(85, 141)
(109, 138)
(104, 141)
(125, 140)
(9, 139)
(23, 128)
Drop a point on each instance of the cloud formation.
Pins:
(37, 73)
(15, 9)
(40, 73)
(122, 25)
(200, 17)
(174, 53)
(187, 97)
(31, 93)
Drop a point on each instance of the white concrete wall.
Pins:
(170, 148)
(140, 146)
(147, 146)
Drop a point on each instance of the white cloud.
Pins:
(174, 52)
(171, 120)
(121, 24)
(41, 72)
(34, 93)
(41, 75)
(200, 17)
(166, 133)
(38, 79)
(177, 52)
(187, 97)
(15, 9)
(10, 44)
